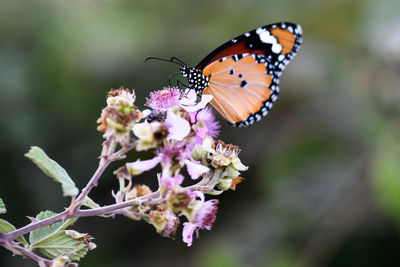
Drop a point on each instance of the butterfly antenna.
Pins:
(172, 60)
(178, 60)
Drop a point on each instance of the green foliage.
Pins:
(53, 242)
(60, 243)
(42, 233)
(6, 227)
(53, 170)
(387, 172)
(2, 207)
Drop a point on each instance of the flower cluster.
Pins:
(181, 131)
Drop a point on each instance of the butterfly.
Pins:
(242, 75)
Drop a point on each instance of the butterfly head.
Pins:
(197, 80)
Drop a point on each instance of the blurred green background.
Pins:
(323, 188)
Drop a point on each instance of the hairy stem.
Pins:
(29, 254)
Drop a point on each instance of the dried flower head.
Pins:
(226, 154)
(120, 114)
(178, 199)
(164, 221)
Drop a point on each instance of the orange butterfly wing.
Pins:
(243, 87)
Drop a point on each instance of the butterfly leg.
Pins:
(178, 82)
(172, 75)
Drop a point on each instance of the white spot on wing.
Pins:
(266, 37)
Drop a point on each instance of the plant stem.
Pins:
(73, 211)
(29, 254)
(105, 159)
(143, 200)
(33, 226)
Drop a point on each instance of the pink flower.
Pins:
(195, 169)
(178, 127)
(187, 233)
(201, 216)
(206, 215)
(172, 225)
(207, 117)
(171, 182)
(164, 99)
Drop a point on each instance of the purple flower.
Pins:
(201, 215)
(172, 225)
(172, 159)
(164, 99)
(207, 117)
(206, 215)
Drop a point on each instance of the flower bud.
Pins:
(224, 184)
(231, 171)
(199, 152)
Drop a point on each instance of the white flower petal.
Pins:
(188, 98)
(178, 127)
(207, 145)
(146, 113)
(140, 166)
(205, 99)
(143, 131)
(195, 169)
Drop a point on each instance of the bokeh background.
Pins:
(323, 188)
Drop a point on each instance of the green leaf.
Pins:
(6, 227)
(53, 170)
(62, 244)
(2, 207)
(88, 202)
(39, 234)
